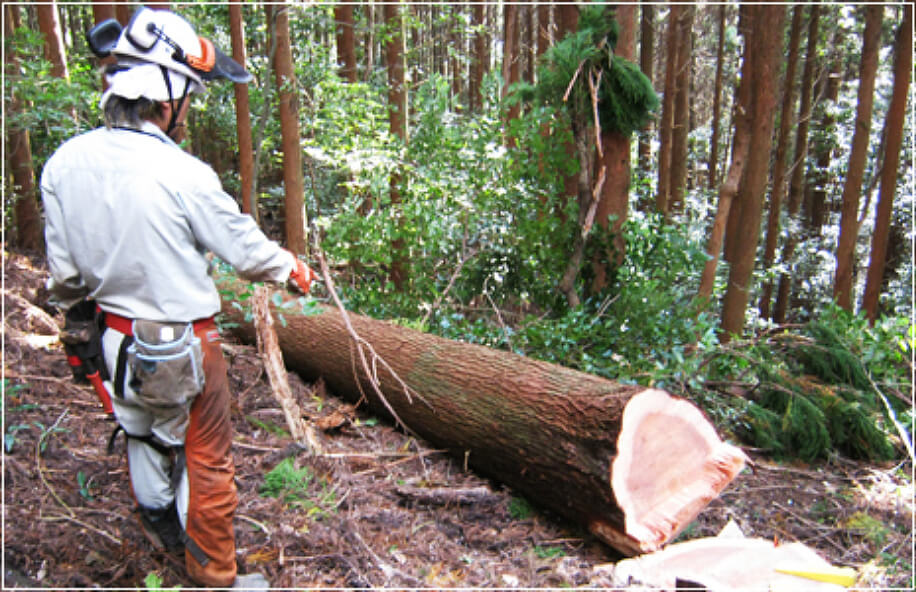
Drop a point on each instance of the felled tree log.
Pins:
(633, 465)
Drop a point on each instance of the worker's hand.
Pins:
(301, 277)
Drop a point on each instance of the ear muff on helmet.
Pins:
(103, 37)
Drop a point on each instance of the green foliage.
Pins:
(153, 583)
(520, 508)
(626, 98)
(299, 488)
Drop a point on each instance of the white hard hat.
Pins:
(166, 39)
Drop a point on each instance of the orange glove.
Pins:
(301, 277)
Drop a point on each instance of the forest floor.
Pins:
(359, 515)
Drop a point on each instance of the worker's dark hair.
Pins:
(121, 112)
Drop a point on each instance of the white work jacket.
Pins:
(130, 218)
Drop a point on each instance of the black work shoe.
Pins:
(162, 528)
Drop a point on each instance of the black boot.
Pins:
(162, 528)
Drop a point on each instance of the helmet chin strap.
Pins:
(176, 109)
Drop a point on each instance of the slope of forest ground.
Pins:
(378, 508)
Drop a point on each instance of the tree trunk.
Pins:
(796, 189)
(633, 465)
(19, 150)
(646, 59)
(346, 48)
(717, 102)
(242, 112)
(397, 123)
(666, 127)
(768, 35)
(287, 93)
(615, 159)
(780, 162)
(729, 189)
(480, 59)
(852, 189)
(49, 24)
(896, 117)
(510, 62)
(677, 186)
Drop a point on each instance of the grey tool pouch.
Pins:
(166, 363)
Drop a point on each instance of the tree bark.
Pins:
(479, 60)
(646, 59)
(780, 161)
(717, 102)
(666, 127)
(852, 188)
(633, 465)
(19, 148)
(293, 185)
(49, 23)
(896, 117)
(768, 35)
(615, 160)
(680, 131)
(729, 188)
(242, 112)
(346, 48)
(397, 125)
(796, 183)
(510, 63)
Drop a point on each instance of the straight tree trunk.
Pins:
(796, 183)
(666, 127)
(852, 189)
(646, 64)
(287, 94)
(740, 149)
(780, 162)
(768, 35)
(681, 124)
(632, 465)
(717, 101)
(397, 120)
(346, 48)
(510, 62)
(19, 151)
(49, 23)
(815, 204)
(896, 117)
(242, 112)
(479, 59)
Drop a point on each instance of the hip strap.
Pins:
(126, 326)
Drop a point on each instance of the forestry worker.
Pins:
(130, 218)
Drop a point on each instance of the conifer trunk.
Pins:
(293, 184)
(242, 112)
(896, 114)
(633, 465)
(780, 163)
(796, 182)
(852, 188)
(767, 39)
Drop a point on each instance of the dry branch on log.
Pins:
(633, 465)
(272, 357)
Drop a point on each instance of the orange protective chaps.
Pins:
(212, 495)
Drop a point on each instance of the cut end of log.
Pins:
(670, 465)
